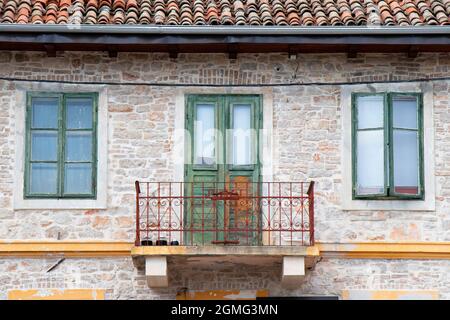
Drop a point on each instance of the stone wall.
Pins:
(121, 280)
(307, 125)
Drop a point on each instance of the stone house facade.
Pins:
(382, 246)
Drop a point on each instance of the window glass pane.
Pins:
(405, 112)
(242, 134)
(79, 113)
(78, 178)
(43, 178)
(78, 146)
(370, 162)
(44, 113)
(204, 135)
(370, 111)
(406, 162)
(44, 145)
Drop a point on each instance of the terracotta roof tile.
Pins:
(228, 12)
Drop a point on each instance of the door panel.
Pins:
(242, 171)
(242, 215)
(222, 162)
(203, 171)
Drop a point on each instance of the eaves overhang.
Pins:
(225, 30)
(227, 39)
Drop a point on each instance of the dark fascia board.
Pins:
(226, 30)
(130, 38)
(111, 39)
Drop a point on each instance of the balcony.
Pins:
(223, 219)
(233, 213)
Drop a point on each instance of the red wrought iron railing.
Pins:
(237, 213)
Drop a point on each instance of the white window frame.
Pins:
(347, 201)
(19, 202)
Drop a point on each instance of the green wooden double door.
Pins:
(222, 173)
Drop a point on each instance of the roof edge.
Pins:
(225, 30)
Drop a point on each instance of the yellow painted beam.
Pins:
(390, 294)
(369, 250)
(386, 250)
(64, 248)
(57, 294)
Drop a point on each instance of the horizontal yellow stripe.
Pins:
(386, 250)
(57, 294)
(64, 248)
(390, 294)
(373, 250)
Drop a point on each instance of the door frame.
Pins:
(179, 153)
(223, 120)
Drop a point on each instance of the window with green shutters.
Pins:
(387, 146)
(61, 145)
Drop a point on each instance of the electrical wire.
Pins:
(167, 84)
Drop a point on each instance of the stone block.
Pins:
(156, 271)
